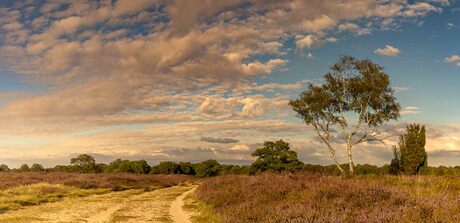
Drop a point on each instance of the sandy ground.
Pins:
(176, 210)
(162, 205)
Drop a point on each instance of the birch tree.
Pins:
(355, 99)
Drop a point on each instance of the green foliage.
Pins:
(358, 87)
(37, 168)
(167, 167)
(410, 158)
(127, 166)
(24, 168)
(276, 156)
(349, 86)
(207, 168)
(84, 163)
(4, 168)
(230, 169)
(186, 168)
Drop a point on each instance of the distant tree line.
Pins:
(274, 156)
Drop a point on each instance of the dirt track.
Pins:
(163, 205)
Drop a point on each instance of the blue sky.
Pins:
(187, 80)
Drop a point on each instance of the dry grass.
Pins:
(25, 189)
(312, 198)
(33, 194)
(112, 181)
(202, 213)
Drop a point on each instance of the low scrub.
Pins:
(111, 181)
(314, 198)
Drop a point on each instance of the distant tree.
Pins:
(36, 167)
(4, 168)
(168, 167)
(186, 168)
(276, 156)
(368, 169)
(395, 165)
(139, 166)
(101, 167)
(128, 166)
(411, 158)
(353, 90)
(84, 163)
(63, 168)
(207, 168)
(230, 169)
(24, 168)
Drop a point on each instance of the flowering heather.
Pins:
(314, 198)
(119, 181)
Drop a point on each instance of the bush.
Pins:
(37, 168)
(410, 158)
(84, 164)
(127, 166)
(168, 167)
(24, 168)
(276, 156)
(208, 168)
(186, 168)
(4, 168)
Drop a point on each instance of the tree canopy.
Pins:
(410, 157)
(276, 156)
(84, 163)
(356, 98)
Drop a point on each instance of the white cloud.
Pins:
(410, 110)
(454, 59)
(307, 41)
(389, 51)
(188, 63)
(354, 28)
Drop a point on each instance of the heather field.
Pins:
(112, 181)
(316, 198)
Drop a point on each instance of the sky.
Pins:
(190, 80)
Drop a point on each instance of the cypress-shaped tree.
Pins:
(411, 157)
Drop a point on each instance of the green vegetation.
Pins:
(37, 168)
(276, 156)
(208, 168)
(410, 158)
(203, 213)
(352, 88)
(84, 163)
(4, 168)
(24, 168)
(127, 166)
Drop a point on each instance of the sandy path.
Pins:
(177, 212)
(125, 206)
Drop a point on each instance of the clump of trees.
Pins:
(276, 156)
(4, 168)
(410, 157)
(353, 90)
(84, 163)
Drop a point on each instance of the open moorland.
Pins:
(316, 198)
(263, 197)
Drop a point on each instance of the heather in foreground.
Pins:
(314, 198)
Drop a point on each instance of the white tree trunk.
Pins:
(350, 159)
